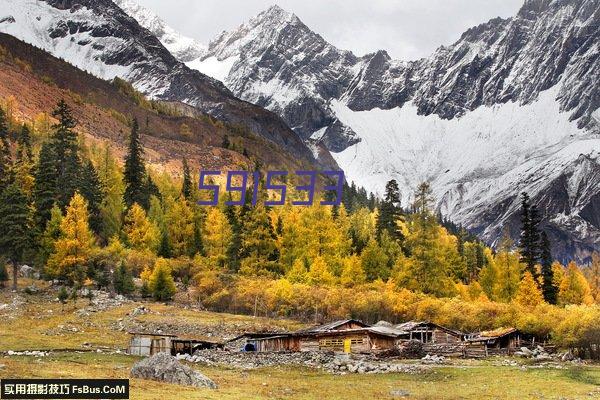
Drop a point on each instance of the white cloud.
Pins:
(407, 29)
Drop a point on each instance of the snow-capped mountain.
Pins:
(182, 47)
(512, 106)
(99, 37)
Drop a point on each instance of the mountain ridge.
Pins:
(522, 88)
(99, 37)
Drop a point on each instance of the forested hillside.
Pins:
(91, 198)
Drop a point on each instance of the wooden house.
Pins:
(501, 341)
(428, 332)
(351, 336)
(148, 344)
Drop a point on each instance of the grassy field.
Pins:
(41, 323)
(476, 380)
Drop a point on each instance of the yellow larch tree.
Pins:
(217, 236)
(72, 250)
(529, 294)
(141, 233)
(574, 288)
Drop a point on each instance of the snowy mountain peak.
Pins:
(182, 47)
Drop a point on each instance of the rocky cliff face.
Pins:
(512, 106)
(99, 37)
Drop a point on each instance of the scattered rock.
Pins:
(33, 353)
(433, 359)
(141, 310)
(166, 368)
(327, 361)
(399, 393)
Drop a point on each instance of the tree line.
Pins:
(84, 219)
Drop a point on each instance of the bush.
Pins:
(161, 282)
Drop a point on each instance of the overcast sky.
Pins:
(407, 29)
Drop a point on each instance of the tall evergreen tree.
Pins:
(44, 189)
(136, 185)
(91, 190)
(529, 243)
(66, 153)
(15, 226)
(390, 212)
(4, 151)
(549, 287)
(24, 144)
(186, 189)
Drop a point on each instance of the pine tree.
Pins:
(258, 251)
(74, 247)
(136, 183)
(63, 295)
(390, 212)
(24, 144)
(23, 164)
(15, 226)
(235, 242)
(44, 190)
(123, 280)
(549, 289)
(5, 162)
(186, 189)
(529, 242)
(66, 153)
(161, 283)
(91, 190)
(51, 234)
(423, 199)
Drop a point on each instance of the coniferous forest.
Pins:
(83, 218)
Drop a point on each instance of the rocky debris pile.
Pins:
(326, 361)
(32, 353)
(433, 359)
(28, 272)
(166, 368)
(252, 360)
(343, 365)
(101, 301)
(141, 310)
(539, 353)
(13, 309)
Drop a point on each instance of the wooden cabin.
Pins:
(148, 344)
(501, 341)
(350, 336)
(428, 332)
(189, 346)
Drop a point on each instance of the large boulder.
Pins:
(166, 368)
